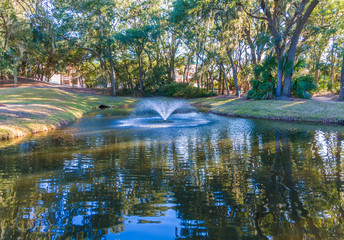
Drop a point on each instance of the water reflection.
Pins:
(233, 179)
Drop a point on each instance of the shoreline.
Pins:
(283, 119)
(298, 111)
(27, 111)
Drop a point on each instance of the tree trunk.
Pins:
(235, 77)
(173, 74)
(172, 58)
(317, 71)
(279, 75)
(212, 85)
(288, 75)
(211, 81)
(202, 86)
(113, 80)
(186, 70)
(332, 74)
(332, 61)
(207, 83)
(223, 84)
(140, 72)
(341, 94)
(220, 76)
(225, 78)
(112, 74)
(15, 73)
(196, 73)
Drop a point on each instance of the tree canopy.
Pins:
(279, 48)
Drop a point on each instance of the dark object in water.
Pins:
(101, 106)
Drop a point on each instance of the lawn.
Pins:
(296, 110)
(24, 111)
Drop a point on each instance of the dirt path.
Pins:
(325, 97)
(22, 82)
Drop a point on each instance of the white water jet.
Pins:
(171, 114)
(165, 108)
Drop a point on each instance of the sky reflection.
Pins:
(247, 179)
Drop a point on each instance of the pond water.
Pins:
(230, 178)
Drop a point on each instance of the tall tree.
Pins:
(92, 25)
(286, 21)
(341, 94)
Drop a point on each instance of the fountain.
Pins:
(163, 113)
(164, 107)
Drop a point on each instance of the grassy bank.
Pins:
(297, 110)
(24, 111)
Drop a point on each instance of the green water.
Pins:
(230, 179)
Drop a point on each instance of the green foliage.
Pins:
(157, 77)
(303, 86)
(124, 92)
(261, 90)
(131, 43)
(184, 90)
(264, 86)
(326, 85)
(6, 63)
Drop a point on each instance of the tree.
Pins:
(92, 25)
(14, 37)
(341, 94)
(286, 21)
(139, 45)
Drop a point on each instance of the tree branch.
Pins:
(251, 14)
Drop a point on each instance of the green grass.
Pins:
(24, 111)
(297, 110)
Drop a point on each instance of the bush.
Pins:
(336, 87)
(157, 77)
(325, 84)
(303, 86)
(264, 86)
(182, 90)
(261, 90)
(124, 92)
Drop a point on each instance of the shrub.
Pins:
(264, 86)
(303, 86)
(261, 90)
(157, 77)
(125, 92)
(336, 87)
(182, 90)
(325, 84)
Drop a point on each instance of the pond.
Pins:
(230, 178)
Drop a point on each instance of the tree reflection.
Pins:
(280, 184)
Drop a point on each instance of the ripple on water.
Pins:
(175, 121)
